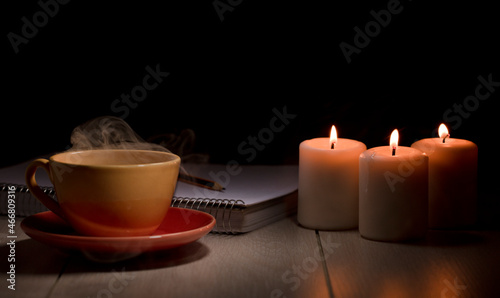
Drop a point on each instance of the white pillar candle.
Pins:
(328, 183)
(452, 180)
(393, 184)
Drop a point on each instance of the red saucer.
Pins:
(180, 226)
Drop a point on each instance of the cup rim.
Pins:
(175, 159)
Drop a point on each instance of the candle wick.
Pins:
(445, 138)
(393, 151)
(333, 145)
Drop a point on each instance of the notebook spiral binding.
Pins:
(218, 208)
(222, 210)
(25, 203)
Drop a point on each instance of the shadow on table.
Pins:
(151, 260)
(453, 238)
(449, 238)
(32, 257)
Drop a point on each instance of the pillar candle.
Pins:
(393, 184)
(328, 183)
(452, 180)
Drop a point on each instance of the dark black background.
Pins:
(227, 76)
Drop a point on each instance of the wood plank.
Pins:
(281, 259)
(445, 264)
(37, 266)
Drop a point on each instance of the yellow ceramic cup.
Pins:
(109, 192)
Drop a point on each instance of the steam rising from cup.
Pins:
(109, 133)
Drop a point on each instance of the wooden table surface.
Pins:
(279, 260)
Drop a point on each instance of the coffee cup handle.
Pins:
(37, 191)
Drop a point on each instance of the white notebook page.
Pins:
(250, 184)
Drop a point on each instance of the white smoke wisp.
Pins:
(109, 133)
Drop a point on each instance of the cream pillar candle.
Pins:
(393, 193)
(328, 183)
(452, 180)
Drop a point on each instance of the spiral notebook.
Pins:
(254, 196)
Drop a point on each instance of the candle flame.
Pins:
(394, 139)
(443, 131)
(333, 137)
